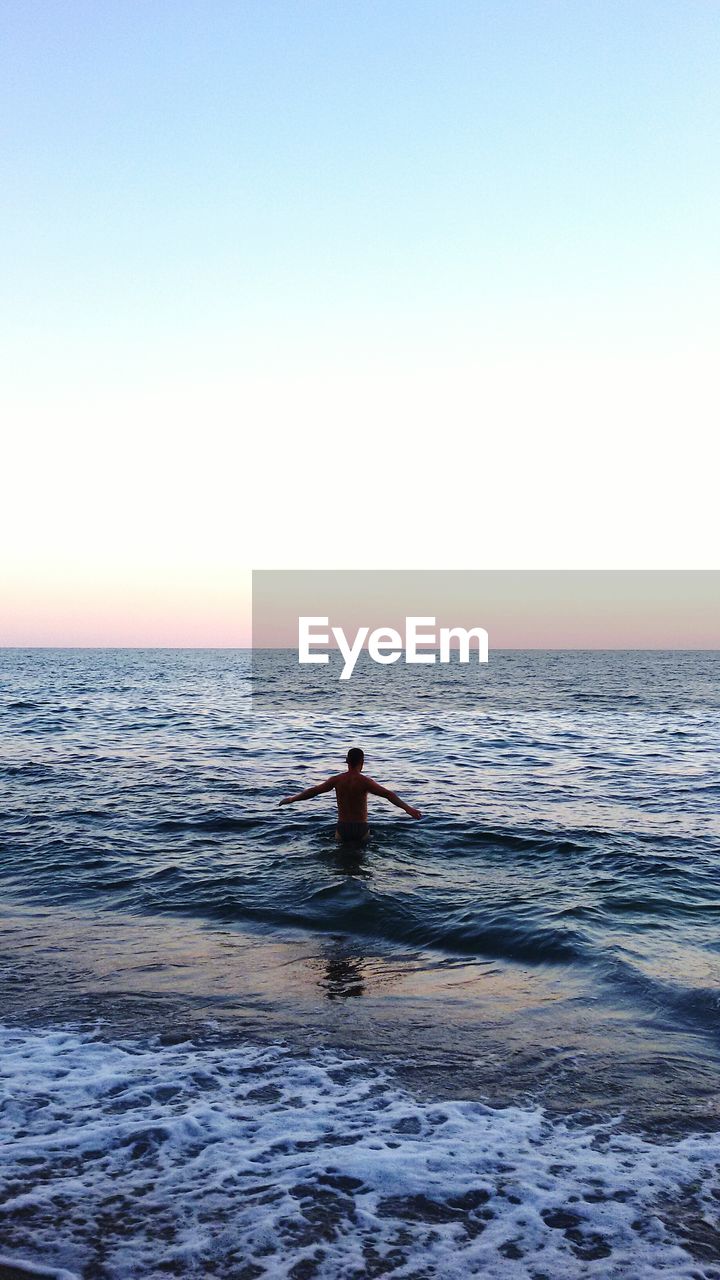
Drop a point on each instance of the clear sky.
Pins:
(227, 227)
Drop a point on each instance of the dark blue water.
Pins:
(570, 801)
(565, 871)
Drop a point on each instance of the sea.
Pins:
(484, 1044)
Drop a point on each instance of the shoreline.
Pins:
(499, 1032)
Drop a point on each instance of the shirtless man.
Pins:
(351, 792)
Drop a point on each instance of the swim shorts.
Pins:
(352, 830)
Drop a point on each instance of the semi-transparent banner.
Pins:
(348, 628)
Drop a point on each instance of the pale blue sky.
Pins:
(225, 181)
(260, 258)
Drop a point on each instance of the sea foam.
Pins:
(143, 1158)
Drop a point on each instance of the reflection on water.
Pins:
(347, 859)
(343, 972)
(476, 1027)
(343, 963)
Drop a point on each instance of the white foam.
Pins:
(134, 1155)
(24, 1268)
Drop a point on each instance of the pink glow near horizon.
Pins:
(127, 617)
(533, 610)
(519, 610)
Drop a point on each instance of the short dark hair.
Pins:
(354, 757)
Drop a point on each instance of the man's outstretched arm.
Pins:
(377, 790)
(311, 791)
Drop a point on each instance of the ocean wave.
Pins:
(503, 937)
(150, 1159)
(688, 1004)
(352, 907)
(534, 842)
(221, 823)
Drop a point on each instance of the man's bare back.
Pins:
(351, 793)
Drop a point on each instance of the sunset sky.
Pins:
(292, 283)
(519, 610)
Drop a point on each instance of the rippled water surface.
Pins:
(544, 939)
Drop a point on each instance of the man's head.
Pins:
(355, 758)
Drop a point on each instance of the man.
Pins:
(351, 792)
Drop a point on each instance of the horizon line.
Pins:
(210, 648)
